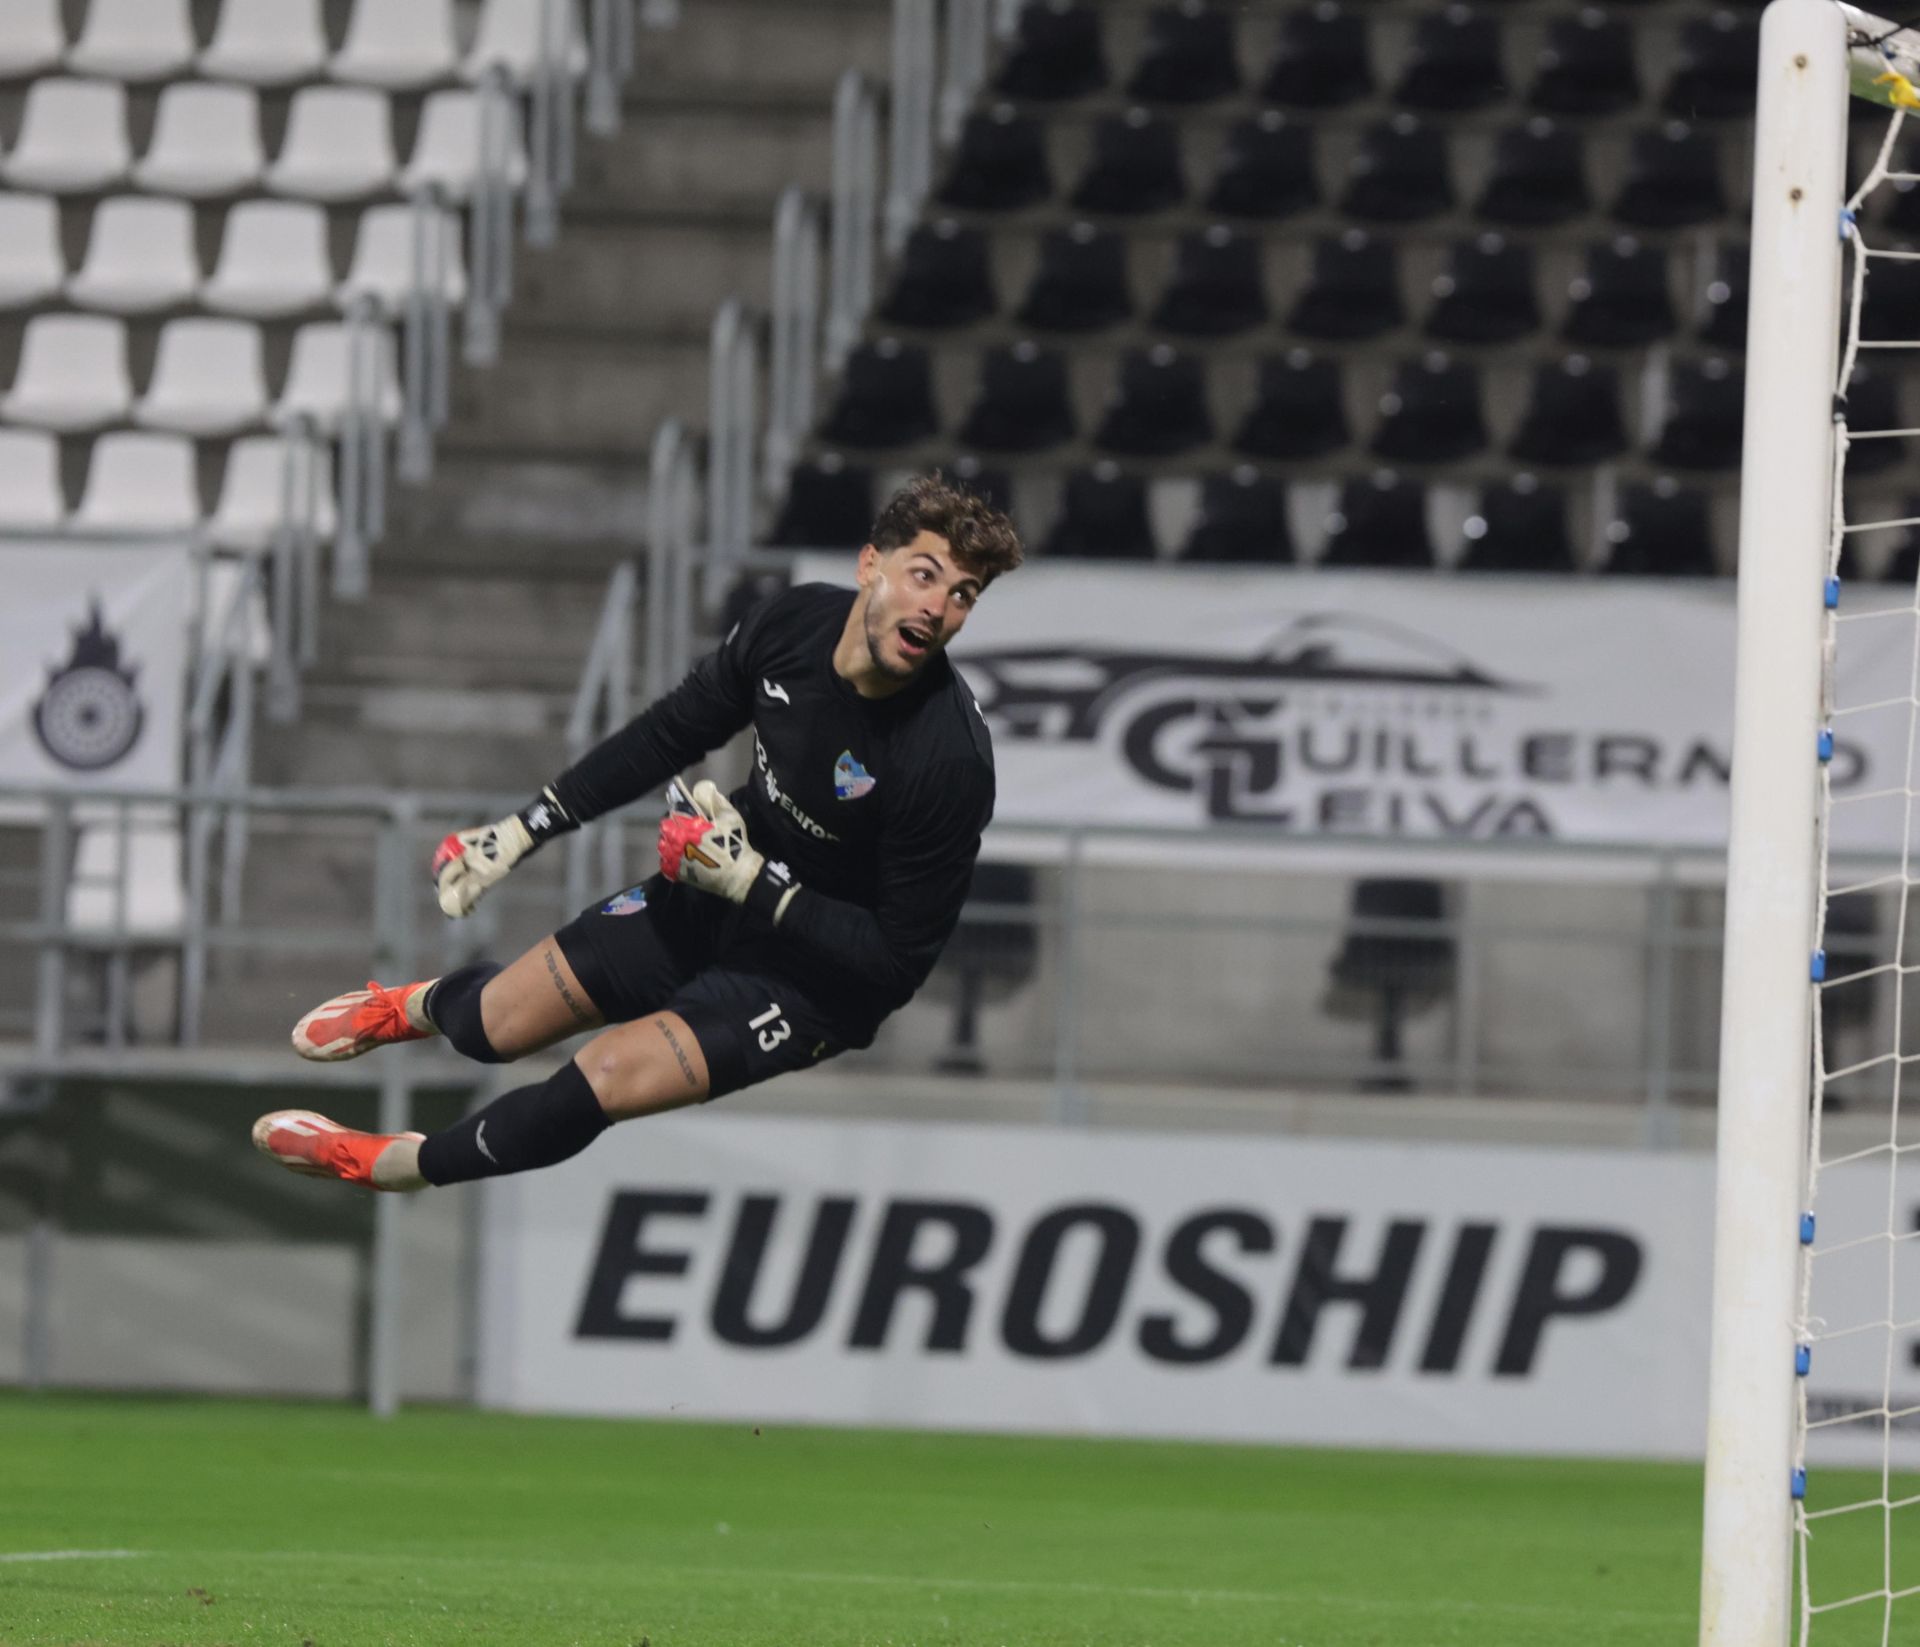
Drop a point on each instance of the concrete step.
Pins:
(755, 48)
(346, 737)
(704, 157)
(658, 281)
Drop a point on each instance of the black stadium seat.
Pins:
(1216, 289)
(1265, 169)
(1486, 294)
(1538, 177)
(1432, 414)
(1103, 516)
(829, 504)
(1057, 54)
(1718, 71)
(1000, 164)
(1672, 179)
(944, 278)
(995, 485)
(1398, 173)
(1621, 299)
(1353, 290)
(1243, 518)
(1022, 403)
(1134, 168)
(1321, 60)
(1705, 399)
(1454, 64)
(1520, 526)
(1872, 401)
(1188, 56)
(1298, 411)
(1572, 415)
(886, 398)
(1586, 66)
(1159, 408)
(1723, 304)
(1080, 284)
(1662, 530)
(1381, 520)
(1890, 303)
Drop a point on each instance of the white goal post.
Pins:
(1814, 54)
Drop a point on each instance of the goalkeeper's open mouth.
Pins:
(915, 641)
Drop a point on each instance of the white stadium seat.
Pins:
(446, 150)
(209, 378)
(73, 137)
(140, 257)
(32, 266)
(133, 40)
(339, 145)
(273, 260)
(72, 374)
(399, 44)
(206, 141)
(266, 42)
(31, 38)
(139, 482)
(150, 895)
(509, 38)
(383, 257)
(319, 382)
(259, 489)
(30, 495)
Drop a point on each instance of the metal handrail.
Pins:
(601, 704)
(733, 379)
(855, 209)
(672, 492)
(963, 69)
(793, 352)
(913, 99)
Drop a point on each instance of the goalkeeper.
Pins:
(787, 921)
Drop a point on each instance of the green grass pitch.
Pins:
(314, 1525)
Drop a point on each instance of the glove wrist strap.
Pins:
(544, 817)
(772, 890)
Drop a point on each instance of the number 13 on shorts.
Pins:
(771, 1037)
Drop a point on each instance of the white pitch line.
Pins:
(68, 1555)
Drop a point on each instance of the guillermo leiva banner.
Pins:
(1381, 704)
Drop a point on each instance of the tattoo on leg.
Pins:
(580, 1014)
(686, 1066)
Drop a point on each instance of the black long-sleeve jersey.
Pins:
(876, 805)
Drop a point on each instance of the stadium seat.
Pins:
(1661, 530)
(339, 145)
(265, 478)
(1723, 302)
(1000, 163)
(1243, 518)
(30, 495)
(1386, 977)
(1704, 404)
(1621, 299)
(1398, 173)
(1872, 402)
(1538, 176)
(1080, 284)
(1432, 414)
(829, 505)
(1572, 415)
(1889, 302)
(1455, 62)
(140, 257)
(1672, 179)
(1159, 407)
(1298, 411)
(508, 38)
(1718, 71)
(990, 956)
(273, 260)
(72, 374)
(1353, 290)
(33, 267)
(886, 398)
(1486, 294)
(1265, 169)
(149, 900)
(1057, 54)
(1321, 59)
(944, 279)
(319, 387)
(32, 40)
(1586, 66)
(1188, 56)
(1217, 287)
(206, 142)
(139, 482)
(1022, 403)
(266, 42)
(995, 485)
(209, 378)
(73, 137)
(1899, 196)
(446, 149)
(400, 45)
(1103, 516)
(1520, 526)
(383, 266)
(1134, 168)
(1381, 520)
(133, 40)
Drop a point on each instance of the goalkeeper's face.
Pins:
(918, 599)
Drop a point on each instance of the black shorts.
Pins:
(658, 947)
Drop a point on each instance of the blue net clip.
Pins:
(1831, 594)
(1819, 966)
(1806, 1229)
(1847, 221)
(1799, 1486)
(1802, 1360)
(1824, 745)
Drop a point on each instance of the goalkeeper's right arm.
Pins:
(471, 860)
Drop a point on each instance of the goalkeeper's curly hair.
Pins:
(982, 539)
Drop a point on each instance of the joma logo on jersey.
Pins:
(780, 798)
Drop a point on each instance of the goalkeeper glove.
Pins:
(703, 844)
(471, 860)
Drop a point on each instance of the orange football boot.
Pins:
(361, 1020)
(315, 1147)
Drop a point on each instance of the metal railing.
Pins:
(673, 489)
(602, 704)
(733, 424)
(913, 102)
(855, 194)
(794, 342)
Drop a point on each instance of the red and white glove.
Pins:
(704, 845)
(471, 860)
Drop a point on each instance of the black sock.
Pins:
(526, 1128)
(453, 1006)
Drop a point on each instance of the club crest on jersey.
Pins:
(851, 780)
(630, 902)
